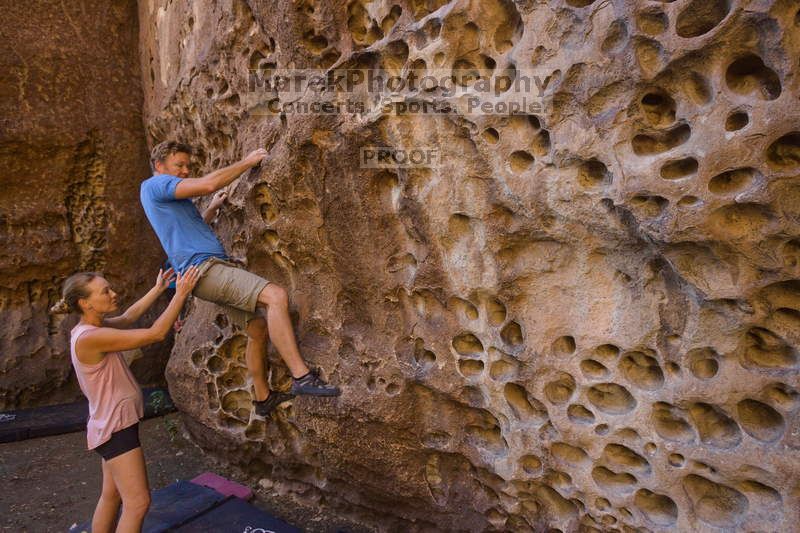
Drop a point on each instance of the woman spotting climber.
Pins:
(115, 398)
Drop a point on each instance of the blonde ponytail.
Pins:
(75, 288)
(60, 307)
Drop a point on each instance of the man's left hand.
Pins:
(218, 199)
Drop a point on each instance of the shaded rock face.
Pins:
(586, 316)
(73, 153)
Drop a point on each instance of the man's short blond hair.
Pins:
(163, 149)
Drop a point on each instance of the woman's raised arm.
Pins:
(132, 314)
(92, 346)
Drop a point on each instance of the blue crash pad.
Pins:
(172, 506)
(235, 515)
(69, 417)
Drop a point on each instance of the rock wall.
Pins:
(73, 152)
(586, 318)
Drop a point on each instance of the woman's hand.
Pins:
(164, 279)
(185, 283)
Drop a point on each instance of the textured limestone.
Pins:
(587, 318)
(72, 151)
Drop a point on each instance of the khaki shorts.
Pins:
(230, 286)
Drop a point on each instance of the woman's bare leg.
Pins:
(130, 477)
(105, 514)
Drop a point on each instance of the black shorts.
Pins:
(120, 442)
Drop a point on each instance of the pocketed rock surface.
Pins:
(73, 154)
(585, 318)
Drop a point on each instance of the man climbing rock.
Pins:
(258, 305)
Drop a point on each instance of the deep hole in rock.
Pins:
(470, 367)
(784, 152)
(736, 121)
(652, 22)
(715, 504)
(760, 421)
(423, 356)
(540, 145)
(564, 346)
(495, 312)
(421, 8)
(714, 426)
(676, 460)
(648, 205)
(697, 88)
(520, 160)
(418, 70)
(732, 181)
(561, 389)
(512, 334)
(705, 368)
(765, 349)
(606, 352)
(593, 173)
(659, 509)
(642, 370)
(464, 72)
(510, 28)
(491, 135)
(579, 414)
(467, 344)
(611, 398)
(701, 16)
(593, 369)
(656, 143)
(649, 55)
(740, 220)
(580, 3)
(749, 74)
(659, 108)
(616, 37)
(517, 398)
(389, 20)
(530, 464)
(680, 168)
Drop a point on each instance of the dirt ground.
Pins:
(50, 483)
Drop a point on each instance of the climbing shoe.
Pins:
(313, 385)
(275, 398)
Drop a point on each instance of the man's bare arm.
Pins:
(189, 188)
(213, 207)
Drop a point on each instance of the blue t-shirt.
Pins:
(183, 233)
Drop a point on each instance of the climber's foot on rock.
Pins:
(313, 385)
(275, 398)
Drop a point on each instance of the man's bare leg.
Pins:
(257, 339)
(279, 325)
(265, 401)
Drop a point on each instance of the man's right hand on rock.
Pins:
(255, 157)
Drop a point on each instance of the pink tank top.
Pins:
(115, 398)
